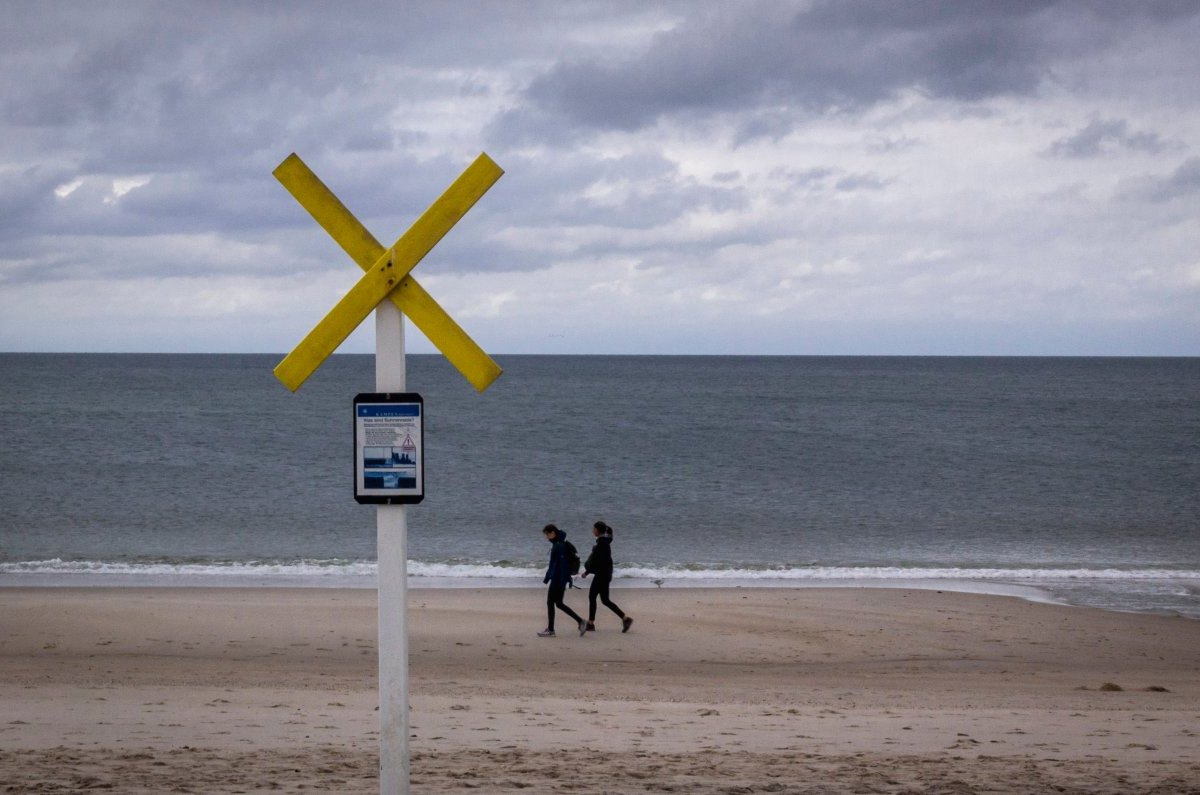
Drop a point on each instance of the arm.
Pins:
(555, 554)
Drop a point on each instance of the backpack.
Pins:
(572, 558)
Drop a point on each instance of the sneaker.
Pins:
(626, 623)
(591, 627)
(582, 628)
(546, 633)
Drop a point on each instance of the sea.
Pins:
(1071, 480)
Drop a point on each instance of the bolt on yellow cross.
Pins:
(387, 272)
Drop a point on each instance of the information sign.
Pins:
(389, 456)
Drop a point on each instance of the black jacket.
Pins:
(559, 570)
(600, 562)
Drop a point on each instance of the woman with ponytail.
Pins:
(600, 563)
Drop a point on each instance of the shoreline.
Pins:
(246, 689)
(1083, 593)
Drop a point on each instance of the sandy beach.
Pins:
(712, 691)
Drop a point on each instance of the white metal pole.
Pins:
(392, 546)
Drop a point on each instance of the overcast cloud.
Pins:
(682, 177)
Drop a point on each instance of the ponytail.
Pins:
(604, 529)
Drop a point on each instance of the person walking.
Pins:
(600, 563)
(558, 577)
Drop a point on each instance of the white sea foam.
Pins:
(234, 569)
(317, 569)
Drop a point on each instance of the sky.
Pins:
(800, 178)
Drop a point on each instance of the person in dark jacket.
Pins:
(558, 576)
(600, 563)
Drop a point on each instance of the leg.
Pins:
(561, 605)
(609, 602)
(593, 592)
(553, 595)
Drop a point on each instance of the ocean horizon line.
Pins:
(694, 355)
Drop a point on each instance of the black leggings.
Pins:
(554, 598)
(600, 589)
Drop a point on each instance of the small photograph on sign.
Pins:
(391, 467)
(388, 453)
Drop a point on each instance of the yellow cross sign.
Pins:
(387, 272)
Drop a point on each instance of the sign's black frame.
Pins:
(401, 400)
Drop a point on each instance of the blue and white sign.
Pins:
(388, 448)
